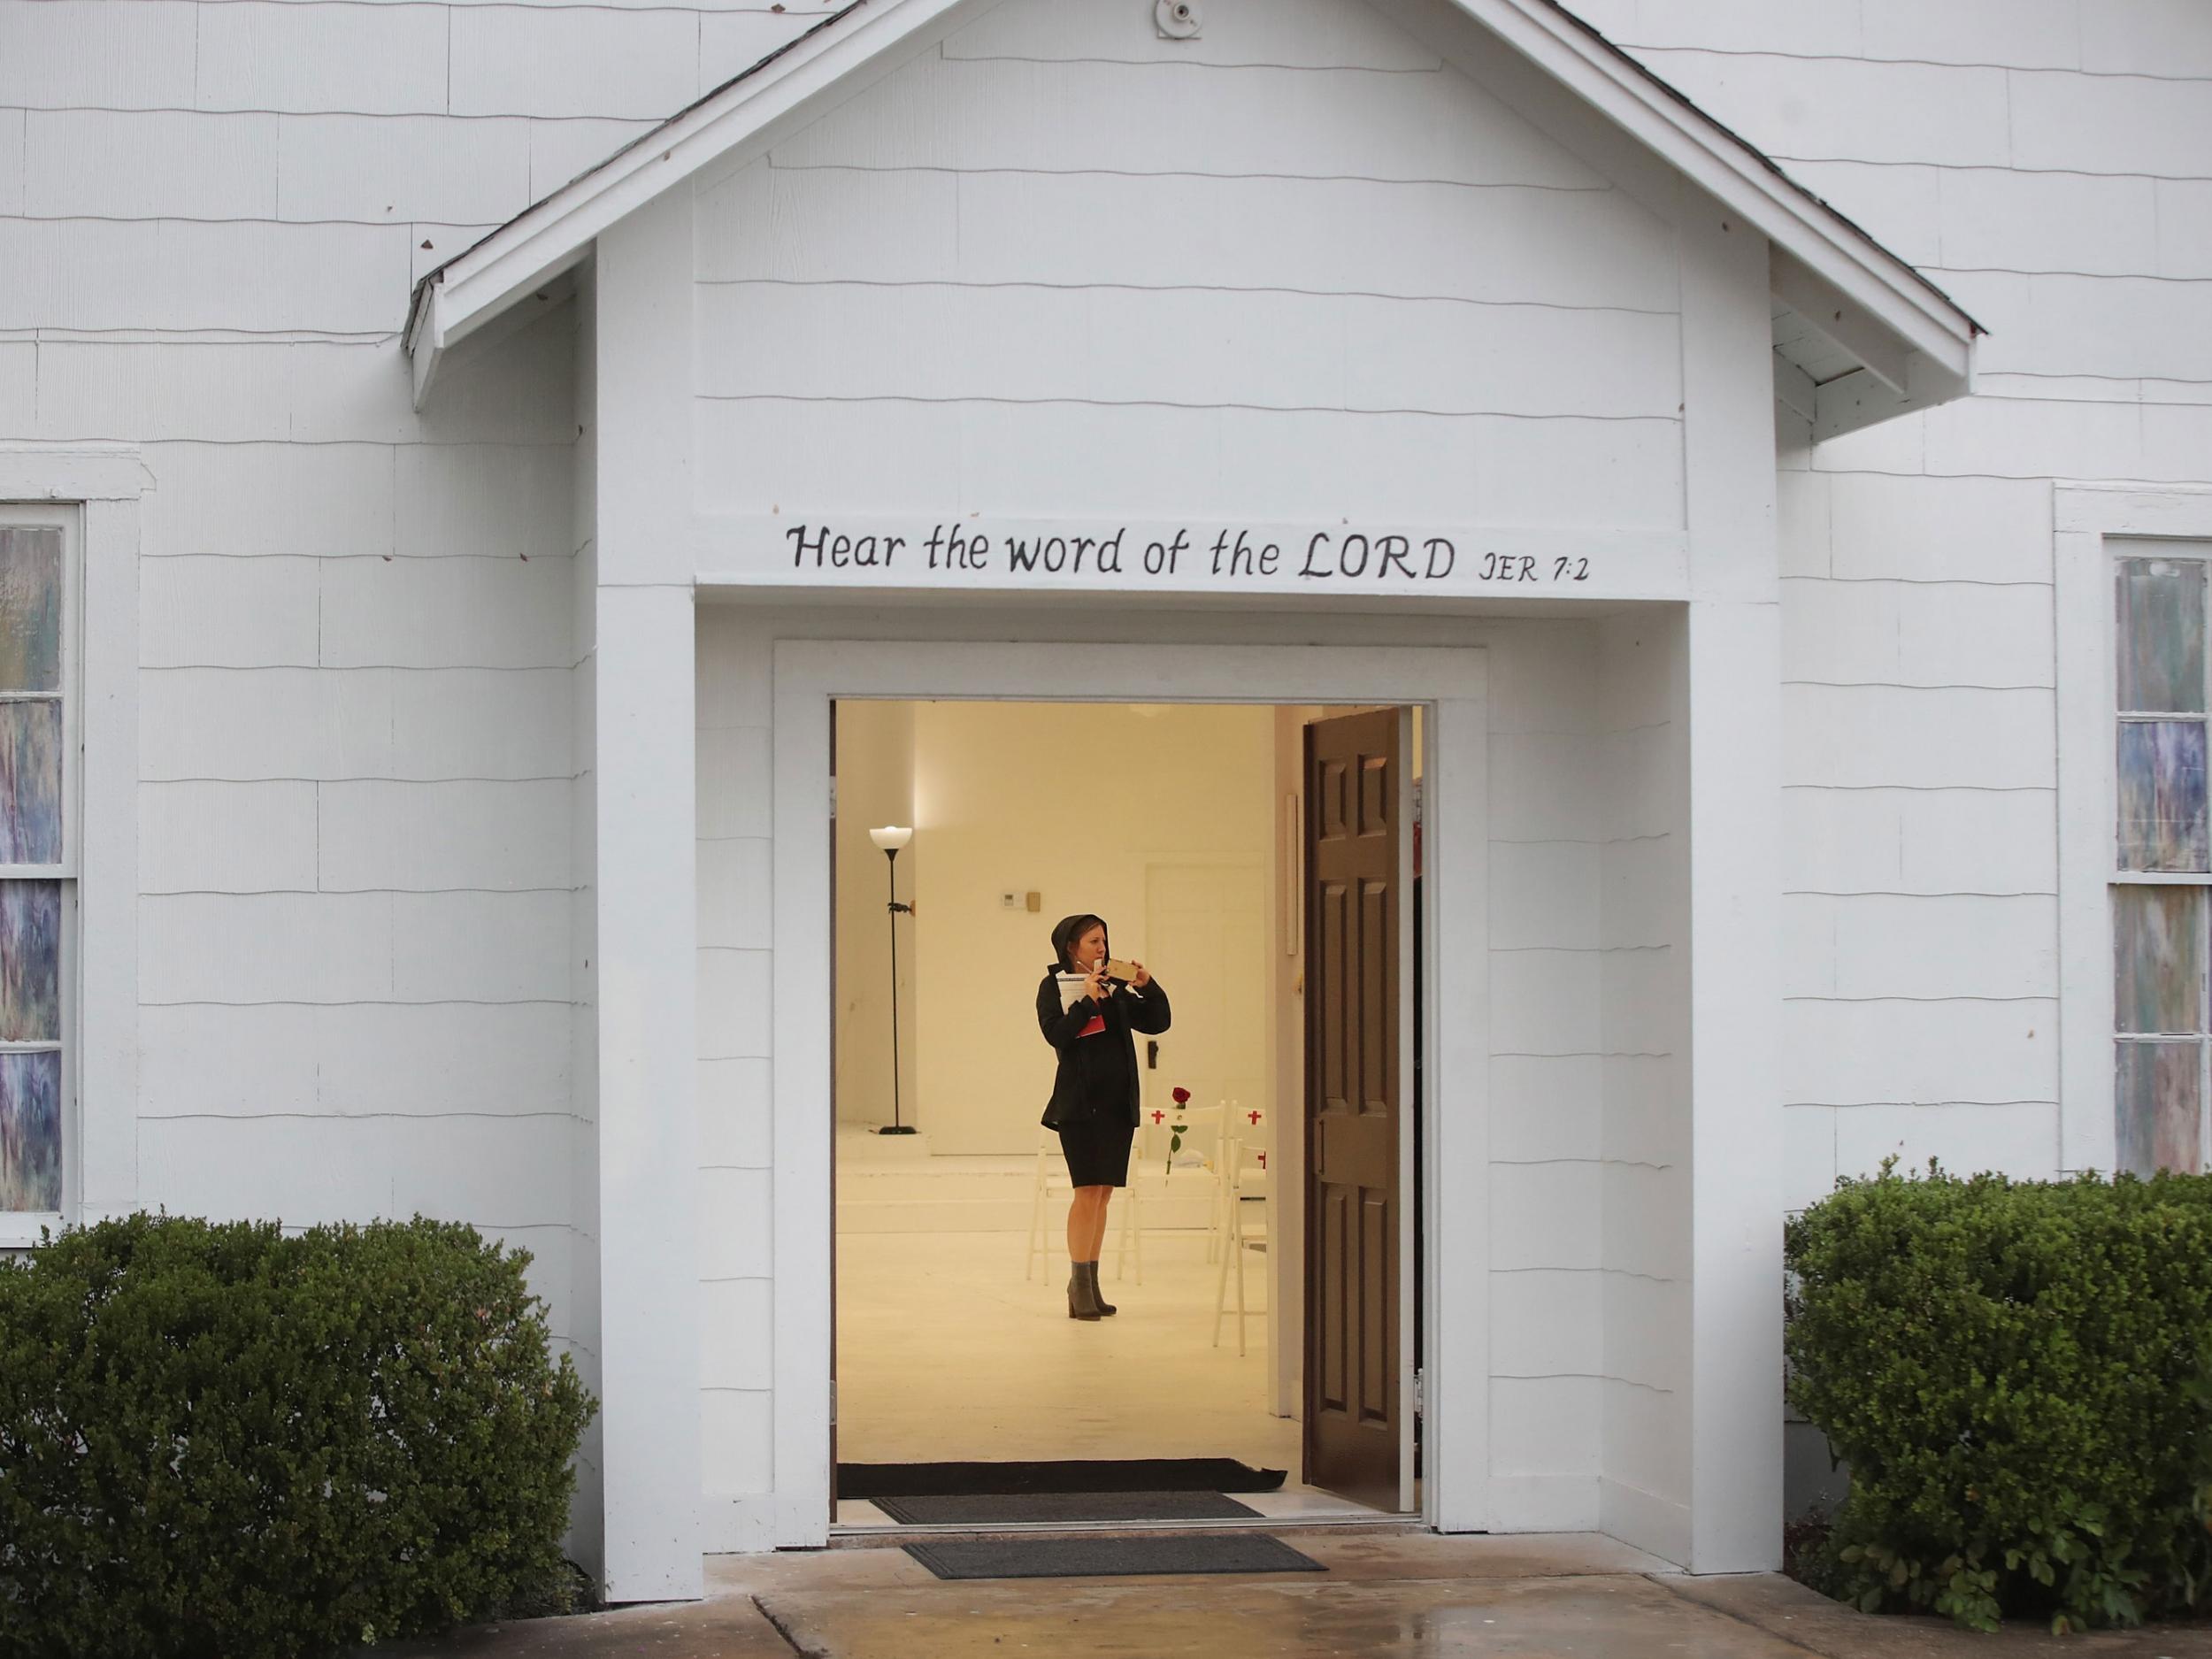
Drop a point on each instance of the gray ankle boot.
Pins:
(1090, 1270)
(1082, 1294)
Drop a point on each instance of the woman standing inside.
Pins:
(1095, 1097)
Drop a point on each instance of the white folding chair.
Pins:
(1231, 1122)
(1129, 1231)
(1247, 1189)
(1052, 1178)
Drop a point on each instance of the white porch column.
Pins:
(1733, 736)
(647, 908)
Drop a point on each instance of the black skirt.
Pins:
(1097, 1153)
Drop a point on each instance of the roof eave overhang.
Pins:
(557, 234)
(1914, 345)
(1885, 296)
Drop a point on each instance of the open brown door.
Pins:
(1352, 1428)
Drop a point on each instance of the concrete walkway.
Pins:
(1385, 1595)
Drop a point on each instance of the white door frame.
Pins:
(1452, 684)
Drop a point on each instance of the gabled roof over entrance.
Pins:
(1859, 333)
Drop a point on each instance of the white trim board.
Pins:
(1873, 305)
(2084, 518)
(808, 675)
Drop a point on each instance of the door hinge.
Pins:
(832, 795)
(833, 1402)
(1420, 1393)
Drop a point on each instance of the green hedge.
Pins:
(2019, 1375)
(217, 1442)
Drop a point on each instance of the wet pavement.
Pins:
(1387, 1596)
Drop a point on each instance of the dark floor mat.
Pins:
(1110, 1558)
(1002, 1508)
(1118, 1474)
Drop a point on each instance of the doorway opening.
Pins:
(1263, 860)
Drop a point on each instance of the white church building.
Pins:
(1623, 596)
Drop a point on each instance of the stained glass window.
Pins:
(2161, 912)
(2163, 821)
(30, 608)
(34, 846)
(30, 781)
(2161, 607)
(2158, 1095)
(2160, 937)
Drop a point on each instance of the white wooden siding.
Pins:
(1502, 242)
(472, 1059)
(1264, 465)
(369, 169)
(1644, 1427)
(235, 196)
(1264, 33)
(975, 113)
(358, 643)
(92, 164)
(2049, 164)
(1023, 344)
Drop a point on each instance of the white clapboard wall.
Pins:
(364, 823)
(2049, 164)
(364, 828)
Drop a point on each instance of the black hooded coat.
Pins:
(1097, 1080)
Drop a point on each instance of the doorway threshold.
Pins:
(870, 1535)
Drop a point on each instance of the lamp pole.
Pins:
(891, 839)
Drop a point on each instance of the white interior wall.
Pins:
(875, 787)
(1102, 809)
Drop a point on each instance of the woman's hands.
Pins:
(1141, 978)
(1095, 986)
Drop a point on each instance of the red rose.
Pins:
(1181, 1096)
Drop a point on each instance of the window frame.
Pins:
(2120, 550)
(97, 489)
(22, 1225)
(2095, 529)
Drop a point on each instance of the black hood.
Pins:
(1069, 929)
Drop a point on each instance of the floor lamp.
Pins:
(892, 838)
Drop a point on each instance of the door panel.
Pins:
(1352, 1428)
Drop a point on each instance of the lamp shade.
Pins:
(891, 838)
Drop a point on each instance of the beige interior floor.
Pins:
(946, 1352)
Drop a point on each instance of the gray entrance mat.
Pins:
(995, 1508)
(1110, 1558)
